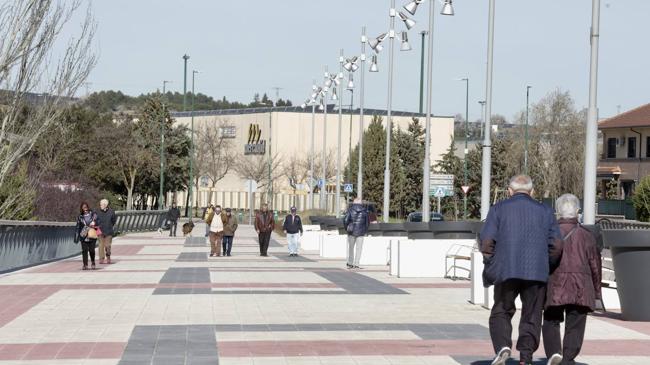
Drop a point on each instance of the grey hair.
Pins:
(567, 206)
(521, 183)
(103, 202)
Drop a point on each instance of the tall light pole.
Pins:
(389, 110)
(526, 130)
(482, 102)
(423, 33)
(362, 78)
(486, 176)
(269, 193)
(426, 166)
(161, 194)
(337, 203)
(466, 79)
(323, 196)
(194, 72)
(185, 58)
(591, 138)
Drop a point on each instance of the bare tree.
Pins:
(296, 169)
(215, 152)
(29, 35)
(257, 168)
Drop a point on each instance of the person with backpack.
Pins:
(86, 234)
(520, 241)
(356, 223)
(573, 287)
(229, 228)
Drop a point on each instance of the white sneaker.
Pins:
(556, 359)
(502, 356)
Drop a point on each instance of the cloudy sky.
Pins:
(247, 46)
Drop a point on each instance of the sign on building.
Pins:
(441, 185)
(255, 145)
(228, 131)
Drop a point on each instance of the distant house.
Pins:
(626, 149)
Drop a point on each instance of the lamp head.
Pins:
(405, 42)
(412, 7)
(373, 64)
(408, 22)
(447, 8)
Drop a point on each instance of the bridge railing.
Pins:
(28, 243)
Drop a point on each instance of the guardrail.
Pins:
(139, 220)
(28, 243)
(609, 224)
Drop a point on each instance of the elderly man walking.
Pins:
(519, 241)
(106, 220)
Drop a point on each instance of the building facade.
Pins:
(625, 155)
(287, 132)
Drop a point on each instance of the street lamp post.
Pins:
(591, 138)
(423, 33)
(466, 79)
(191, 214)
(526, 131)
(337, 203)
(389, 110)
(426, 168)
(482, 102)
(323, 196)
(362, 60)
(161, 201)
(486, 175)
(185, 58)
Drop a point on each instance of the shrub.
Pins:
(641, 200)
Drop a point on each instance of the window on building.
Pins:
(611, 147)
(631, 147)
(647, 147)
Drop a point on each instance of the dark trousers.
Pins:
(533, 294)
(574, 331)
(88, 248)
(172, 228)
(264, 239)
(226, 242)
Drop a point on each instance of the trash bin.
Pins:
(631, 256)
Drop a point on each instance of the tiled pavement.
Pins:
(164, 301)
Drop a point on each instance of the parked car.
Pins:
(417, 217)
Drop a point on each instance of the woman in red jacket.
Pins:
(572, 288)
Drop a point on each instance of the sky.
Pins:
(247, 46)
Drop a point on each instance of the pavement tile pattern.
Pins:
(164, 301)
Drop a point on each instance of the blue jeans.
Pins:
(227, 244)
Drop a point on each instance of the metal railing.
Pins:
(611, 224)
(139, 220)
(25, 243)
(29, 243)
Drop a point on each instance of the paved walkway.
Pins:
(164, 301)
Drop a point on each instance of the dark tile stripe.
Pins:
(192, 257)
(187, 275)
(355, 283)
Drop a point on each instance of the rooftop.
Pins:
(637, 117)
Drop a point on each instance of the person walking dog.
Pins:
(519, 241)
(572, 288)
(106, 220)
(292, 227)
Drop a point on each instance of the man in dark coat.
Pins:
(356, 224)
(106, 220)
(264, 226)
(519, 240)
(173, 215)
(572, 288)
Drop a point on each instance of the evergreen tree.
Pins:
(410, 149)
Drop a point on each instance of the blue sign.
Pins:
(347, 188)
(320, 183)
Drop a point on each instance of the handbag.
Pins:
(99, 231)
(92, 234)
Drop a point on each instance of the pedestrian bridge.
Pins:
(165, 301)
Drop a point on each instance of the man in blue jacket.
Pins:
(519, 242)
(356, 223)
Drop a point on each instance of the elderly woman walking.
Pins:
(572, 288)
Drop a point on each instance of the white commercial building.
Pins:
(287, 132)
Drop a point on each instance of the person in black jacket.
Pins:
(173, 215)
(293, 228)
(356, 223)
(86, 221)
(106, 220)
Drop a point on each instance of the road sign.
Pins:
(465, 188)
(347, 188)
(441, 181)
(440, 192)
(320, 183)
